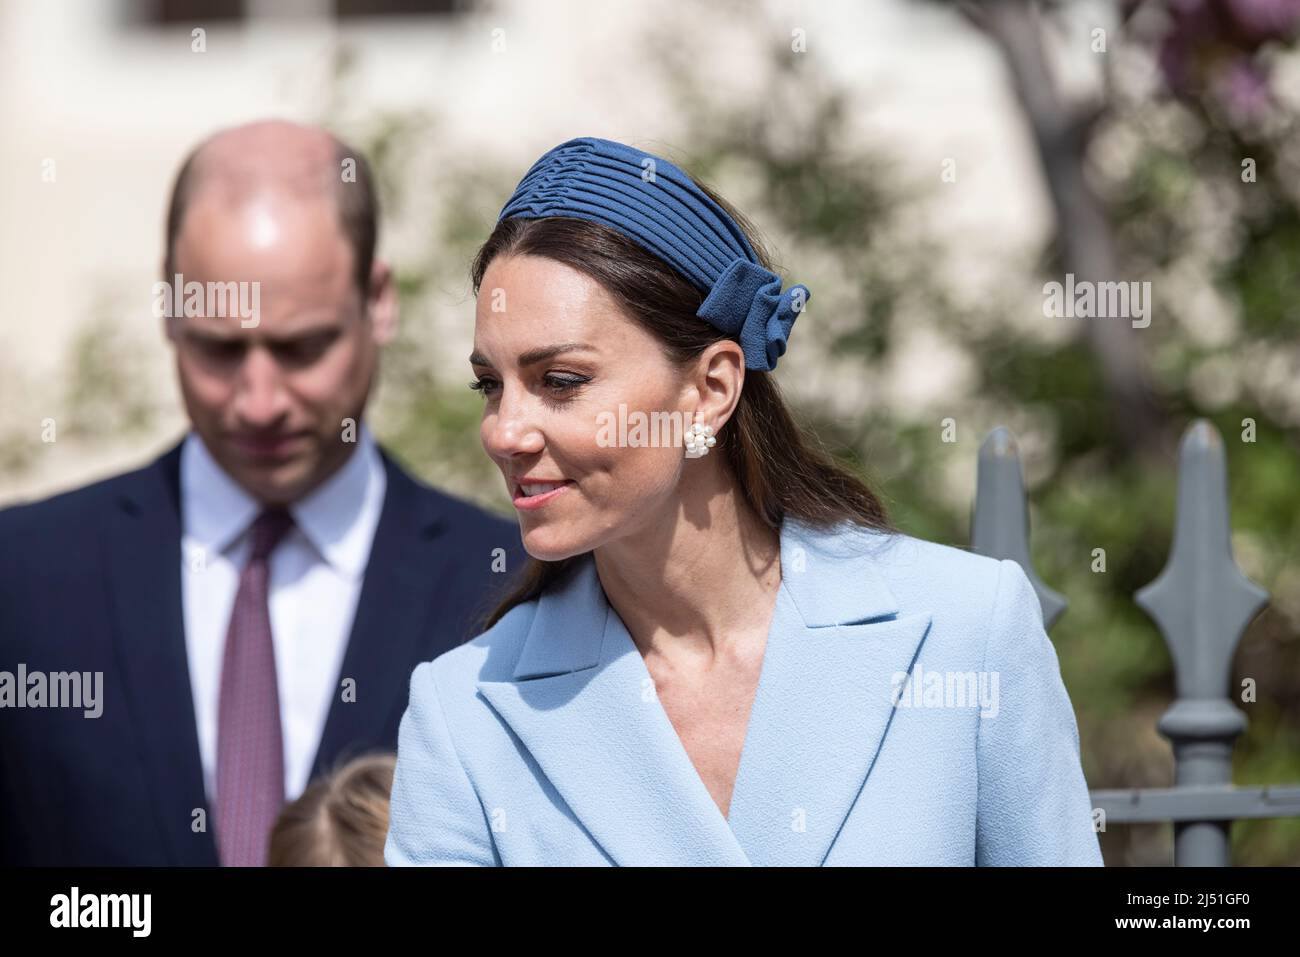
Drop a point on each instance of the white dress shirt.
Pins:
(315, 581)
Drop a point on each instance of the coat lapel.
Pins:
(142, 542)
(825, 695)
(582, 702)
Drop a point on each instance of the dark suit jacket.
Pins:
(90, 581)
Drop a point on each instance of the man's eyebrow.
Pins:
(538, 355)
(290, 337)
(298, 335)
(194, 331)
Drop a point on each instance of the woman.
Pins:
(721, 652)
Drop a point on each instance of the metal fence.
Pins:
(1201, 602)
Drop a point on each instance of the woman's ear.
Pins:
(381, 303)
(720, 375)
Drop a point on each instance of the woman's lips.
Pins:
(543, 492)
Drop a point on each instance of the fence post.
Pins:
(1000, 526)
(1202, 603)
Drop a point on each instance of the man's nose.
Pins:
(260, 397)
(512, 428)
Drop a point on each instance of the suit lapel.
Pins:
(582, 702)
(142, 537)
(392, 611)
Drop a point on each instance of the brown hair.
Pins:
(358, 208)
(341, 820)
(778, 470)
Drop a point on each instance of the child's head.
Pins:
(341, 820)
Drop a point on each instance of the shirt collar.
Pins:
(215, 510)
(338, 518)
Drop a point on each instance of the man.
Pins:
(245, 612)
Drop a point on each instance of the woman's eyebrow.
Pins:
(538, 355)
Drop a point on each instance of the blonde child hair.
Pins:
(340, 820)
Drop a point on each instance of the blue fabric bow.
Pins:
(747, 302)
(658, 206)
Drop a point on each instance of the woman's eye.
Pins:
(561, 383)
(556, 384)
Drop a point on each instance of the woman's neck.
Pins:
(690, 581)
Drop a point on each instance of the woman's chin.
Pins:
(552, 545)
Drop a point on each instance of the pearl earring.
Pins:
(699, 438)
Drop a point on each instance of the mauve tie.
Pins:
(250, 752)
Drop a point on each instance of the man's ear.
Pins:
(168, 323)
(382, 303)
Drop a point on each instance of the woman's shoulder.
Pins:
(491, 655)
(947, 581)
(907, 555)
(904, 558)
(569, 603)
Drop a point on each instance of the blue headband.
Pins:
(658, 206)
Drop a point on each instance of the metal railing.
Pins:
(1202, 603)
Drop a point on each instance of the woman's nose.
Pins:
(511, 428)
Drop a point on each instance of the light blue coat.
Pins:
(541, 742)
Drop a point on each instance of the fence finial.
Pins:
(1000, 526)
(1202, 602)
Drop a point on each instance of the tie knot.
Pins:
(268, 529)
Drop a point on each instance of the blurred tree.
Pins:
(1062, 130)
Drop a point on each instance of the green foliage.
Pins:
(106, 391)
